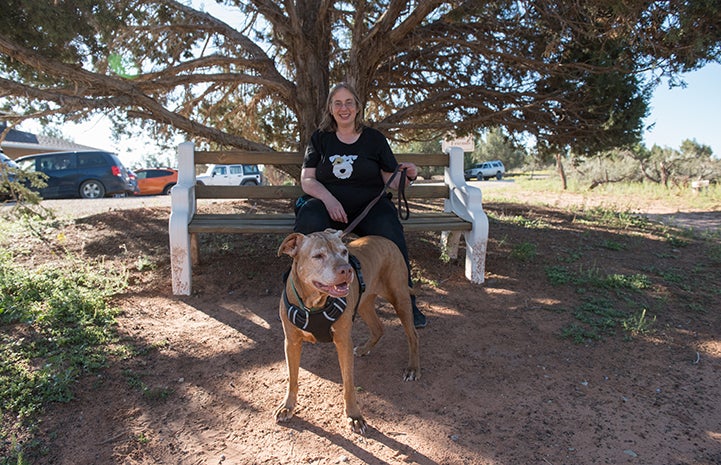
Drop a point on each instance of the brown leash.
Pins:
(401, 198)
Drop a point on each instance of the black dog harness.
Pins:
(319, 321)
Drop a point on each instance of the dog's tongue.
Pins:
(339, 290)
(335, 290)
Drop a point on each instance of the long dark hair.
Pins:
(328, 123)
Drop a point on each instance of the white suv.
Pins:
(231, 175)
(485, 170)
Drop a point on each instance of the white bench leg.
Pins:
(476, 259)
(450, 241)
(181, 267)
(476, 245)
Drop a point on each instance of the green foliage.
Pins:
(56, 326)
(520, 220)
(135, 381)
(592, 277)
(495, 144)
(612, 218)
(430, 146)
(573, 74)
(714, 252)
(20, 187)
(612, 245)
(524, 251)
(66, 34)
(578, 334)
(157, 160)
(671, 168)
(599, 315)
(630, 301)
(638, 323)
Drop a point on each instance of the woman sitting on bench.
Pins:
(346, 165)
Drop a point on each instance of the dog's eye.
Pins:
(319, 256)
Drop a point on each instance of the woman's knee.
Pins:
(311, 216)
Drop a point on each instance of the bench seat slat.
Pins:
(283, 223)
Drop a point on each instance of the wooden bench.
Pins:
(463, 212)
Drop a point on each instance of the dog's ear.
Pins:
(333, 232)
(290, 244)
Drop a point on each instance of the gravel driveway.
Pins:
(78, 208)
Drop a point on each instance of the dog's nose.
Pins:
(344, 269)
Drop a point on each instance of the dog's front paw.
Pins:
(358, 425)
(411, 374)
(283, 413)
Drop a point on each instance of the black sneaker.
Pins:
(419, 319)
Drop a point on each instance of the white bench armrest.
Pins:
(466, 202)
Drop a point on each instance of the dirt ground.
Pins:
(500, 385)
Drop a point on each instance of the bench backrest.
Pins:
(227, 157)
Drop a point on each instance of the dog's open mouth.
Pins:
(334, 290)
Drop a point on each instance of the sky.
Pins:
(693, 112)
(676, 114)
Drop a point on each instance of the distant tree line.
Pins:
(659, 165)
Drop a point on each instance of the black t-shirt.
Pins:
(351, 172)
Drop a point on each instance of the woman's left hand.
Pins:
(411, 170)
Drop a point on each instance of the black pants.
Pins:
(381, 220)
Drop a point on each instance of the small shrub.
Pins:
(524, 251)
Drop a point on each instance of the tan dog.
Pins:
(319, 277)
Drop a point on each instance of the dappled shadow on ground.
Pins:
(702, 222)
(533, 366)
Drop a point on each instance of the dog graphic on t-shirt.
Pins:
(343, 165)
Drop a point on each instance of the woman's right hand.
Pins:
(314, 188)
(335, 210)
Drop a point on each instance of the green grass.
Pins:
(56, 324)
(610, 218)
(593, 277)
(616, 196)
(135, 381)
(524, 251)
(638, 323)
(600, 314)
(520, 220)
(627, 301)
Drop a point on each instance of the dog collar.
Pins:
(302, 305)
(318, 322)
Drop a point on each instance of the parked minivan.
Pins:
(86, 174)
(7, 175)
(230, 175)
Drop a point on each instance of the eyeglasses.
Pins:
(349, 104)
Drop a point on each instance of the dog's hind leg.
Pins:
(367, 311)
(401, 302)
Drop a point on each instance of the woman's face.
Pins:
(343, 108)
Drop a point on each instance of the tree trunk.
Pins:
(561, 172)
(664, 174)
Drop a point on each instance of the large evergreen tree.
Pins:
(574, 74)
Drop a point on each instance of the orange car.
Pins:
(156, 180)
